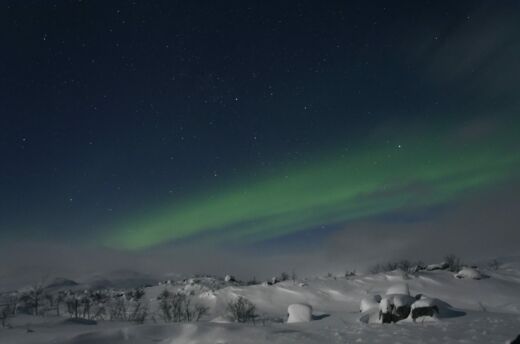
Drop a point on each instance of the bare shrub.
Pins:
(5, 313)
(252, 281)
(350, 273)
(284, 276)
(294, 277)
(454, 262)
(33, 298)
(404, 264)
(494, 265)
(177, 307)
(242, 310)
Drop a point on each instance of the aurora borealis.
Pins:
(146, 126)
(416, 171)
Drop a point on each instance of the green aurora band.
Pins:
(420, 170)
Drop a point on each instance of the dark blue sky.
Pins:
(110, 108)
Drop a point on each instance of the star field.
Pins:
(133, 124)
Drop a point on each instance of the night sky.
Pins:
(136, 125)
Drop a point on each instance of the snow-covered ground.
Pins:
(486, 310)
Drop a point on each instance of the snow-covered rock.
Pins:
(299, 312)
(424, 301)
(402, 300)
(441, 266)
(370, 303)
(395, 307)
(469, 273)
(417, 268)
(401, 289)
(385, 306)
(423, 307)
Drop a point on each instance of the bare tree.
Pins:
(72, 302)
(33, 297)
(117, 308)
(139, 312)
(59, 299)
(85, 303)
(165, 305)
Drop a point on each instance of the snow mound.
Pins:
(299, 312)
(79, 321)
(221, 320)
(400, 289)
(469, 273)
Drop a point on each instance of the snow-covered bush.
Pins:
(469, 273)
(299, 312)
